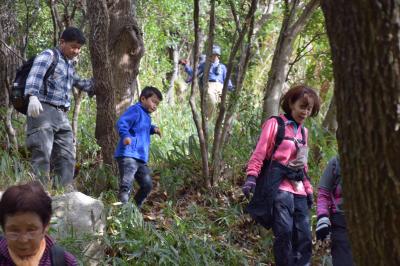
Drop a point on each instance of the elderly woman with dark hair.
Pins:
(25, 212)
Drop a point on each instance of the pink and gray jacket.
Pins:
(285, 152)
(330, 198)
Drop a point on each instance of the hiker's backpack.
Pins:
(57, 256)
(17, 95)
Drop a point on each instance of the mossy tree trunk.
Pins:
(116, 47)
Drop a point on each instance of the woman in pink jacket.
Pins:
(277, 175)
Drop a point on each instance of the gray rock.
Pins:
(80, 217)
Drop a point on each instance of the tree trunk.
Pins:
(201, 131)
(116, 47)
(10, 60)
(126, 48)
(330, 122)
(78, 97)
(173, 75)
(102, 73)
(283, 51)
(364, 38)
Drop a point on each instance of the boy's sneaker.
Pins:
(123, 196)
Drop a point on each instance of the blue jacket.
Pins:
(136, 124)
(217, 73)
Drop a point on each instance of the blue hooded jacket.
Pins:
(136, 124)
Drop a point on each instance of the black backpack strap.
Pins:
(303, 136)
(57, 256)
(50, 70)
(336, 174)
(280, 134)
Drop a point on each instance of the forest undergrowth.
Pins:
(182, 222)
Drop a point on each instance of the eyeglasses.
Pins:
(28, 235)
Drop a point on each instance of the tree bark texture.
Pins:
(10, 60)
(173, 75)
(102, 72)
(192, 100)
(291, 27)
(330, 121)
(126, 48)
(116, 47)
(364, 38)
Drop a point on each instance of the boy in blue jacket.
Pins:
(132, 153)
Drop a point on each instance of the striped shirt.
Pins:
(59, 85)
(5, 258)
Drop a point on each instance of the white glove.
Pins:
(34, 106)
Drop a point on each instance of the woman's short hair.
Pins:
(29, 197)
(298, 92)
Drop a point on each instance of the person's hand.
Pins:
(157, 131)
(249, 186)
(310, 200)
(34, 107)
(127, 141)
(323, 228)
(183, 62)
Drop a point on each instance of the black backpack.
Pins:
(280, 135)
(17, 95)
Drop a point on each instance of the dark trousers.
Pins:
(340, 250)
(291, 228)
(130, 170)
(51, 143)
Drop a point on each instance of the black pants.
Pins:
(291, 227)
(340, 250)
(131, 169)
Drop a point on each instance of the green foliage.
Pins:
(312, 55)
(141, 243)
(13, 169)
(165, 24)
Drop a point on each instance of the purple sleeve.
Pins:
(70, 260)
(324, 200)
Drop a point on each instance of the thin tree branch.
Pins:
(235, 15)
(12, 50)
(308, 11)
(192, 100)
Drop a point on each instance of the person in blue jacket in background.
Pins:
(216, 78)
(132, 153)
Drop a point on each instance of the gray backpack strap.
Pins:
(57, 256)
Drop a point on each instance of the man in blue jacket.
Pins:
(216, 78)
(132, 153)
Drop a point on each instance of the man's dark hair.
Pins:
(149, 91)
(29, 197)
(72, 34)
